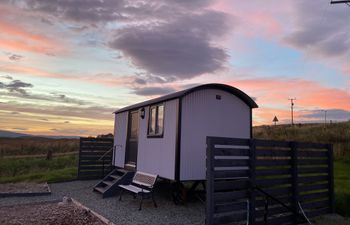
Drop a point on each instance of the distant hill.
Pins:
(10, 134)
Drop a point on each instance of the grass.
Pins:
(38, 169)
(337, 134)
(36, 145)
(342, 186)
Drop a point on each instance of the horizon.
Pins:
(66, 66)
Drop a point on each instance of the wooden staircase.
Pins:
(109, 185)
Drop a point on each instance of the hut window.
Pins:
(156, 121)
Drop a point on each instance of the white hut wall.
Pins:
(157, 155)
(204, 115)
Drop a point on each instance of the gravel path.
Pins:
(125, 212)
(23, 188)
(47, 213)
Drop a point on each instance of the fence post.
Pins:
(331, 178)
(79, 160)
(295, 183)
(252, 168)
(210, 183)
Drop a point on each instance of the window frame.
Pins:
(155, 134)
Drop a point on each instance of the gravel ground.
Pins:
(332, 219)
(125, 212)
(23, 188)
(47, 214)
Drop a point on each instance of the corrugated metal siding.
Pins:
(120, 133)
(157, 155)
(203, 115)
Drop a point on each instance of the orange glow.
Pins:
(16, 37)
(310, 95)
(32, 71)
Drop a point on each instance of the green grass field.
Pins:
(342, 186)
(38, 169)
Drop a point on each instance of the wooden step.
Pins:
(100, 189)
(114, 177)
(108, 183)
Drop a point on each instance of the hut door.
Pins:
(132, 142)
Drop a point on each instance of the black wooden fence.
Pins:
(95, 158)
(267, 182)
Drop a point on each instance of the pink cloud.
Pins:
(17, 37)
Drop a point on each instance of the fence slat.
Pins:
(91, 166)
(290, 172)
(227, 174)
(230, 162)
(236, 217)
(234, 206)
(231, 152)
(269, 152)
(272, 162)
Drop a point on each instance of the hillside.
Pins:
(9, 134)
(337, 134)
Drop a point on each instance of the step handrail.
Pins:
(302, 211)
(104, 155)
(302, 215)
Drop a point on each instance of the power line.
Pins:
(340, 2)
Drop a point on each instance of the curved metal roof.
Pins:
(236, 92)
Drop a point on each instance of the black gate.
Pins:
(267, 182)
(95, 158)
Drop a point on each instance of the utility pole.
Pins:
(325, 117)
(292, 108)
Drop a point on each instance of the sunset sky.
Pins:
(66, 65)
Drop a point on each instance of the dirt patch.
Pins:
(62, 213)
(24, 188)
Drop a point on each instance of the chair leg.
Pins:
(154, 201)
(141, 201)
(120, 194)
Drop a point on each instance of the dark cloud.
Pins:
(7, 77)
(66, 122)
(332, 114)
(46, 21)
(79, 10)
(15, 57)
(16, 86)
(89, 112)
(321, 28)
(182, 48)
(166, 38)
(94, 11)
(148, 91)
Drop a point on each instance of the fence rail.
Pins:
(266, 182)
(95, 158)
